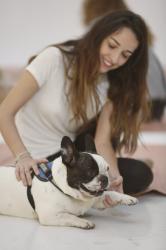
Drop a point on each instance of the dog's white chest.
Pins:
(48, 197)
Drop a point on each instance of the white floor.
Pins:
(142, 226)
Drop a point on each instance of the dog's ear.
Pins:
(89, 144)
(68, 151)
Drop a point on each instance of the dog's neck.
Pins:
(59, 174)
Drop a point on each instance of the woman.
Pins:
(93, 9)
(69, 84)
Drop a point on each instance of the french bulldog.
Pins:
(80, 181)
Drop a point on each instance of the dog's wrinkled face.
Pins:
(86, 171)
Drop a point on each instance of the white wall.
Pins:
(28, 25)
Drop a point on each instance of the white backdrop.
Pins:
(28, 26)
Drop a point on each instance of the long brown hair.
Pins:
(128, 89)
(127, 85)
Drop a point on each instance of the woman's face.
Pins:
(116, 49)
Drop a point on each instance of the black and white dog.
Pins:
(79, 181)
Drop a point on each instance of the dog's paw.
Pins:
(86, 224)
(129, 200)
(119, 198)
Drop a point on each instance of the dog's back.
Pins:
(14, 200)
(13, 195)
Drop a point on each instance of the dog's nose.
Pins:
(104, 181)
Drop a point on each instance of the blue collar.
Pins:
(45, 171)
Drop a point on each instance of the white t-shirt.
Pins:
(46, 117)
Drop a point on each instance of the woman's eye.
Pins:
(112, 46)
(126, 56)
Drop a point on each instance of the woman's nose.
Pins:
(115, 58)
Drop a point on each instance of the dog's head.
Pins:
(86, 171)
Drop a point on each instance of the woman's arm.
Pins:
(104, 146)
(17, 97)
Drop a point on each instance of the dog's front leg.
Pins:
(116, 198)
(65, 219)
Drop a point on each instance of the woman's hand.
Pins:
(116, 185)
(24, 167)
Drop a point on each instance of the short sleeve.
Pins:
(46, 62)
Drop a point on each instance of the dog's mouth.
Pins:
(94, 193)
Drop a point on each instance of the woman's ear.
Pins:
(68, 150)
(90, 144)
